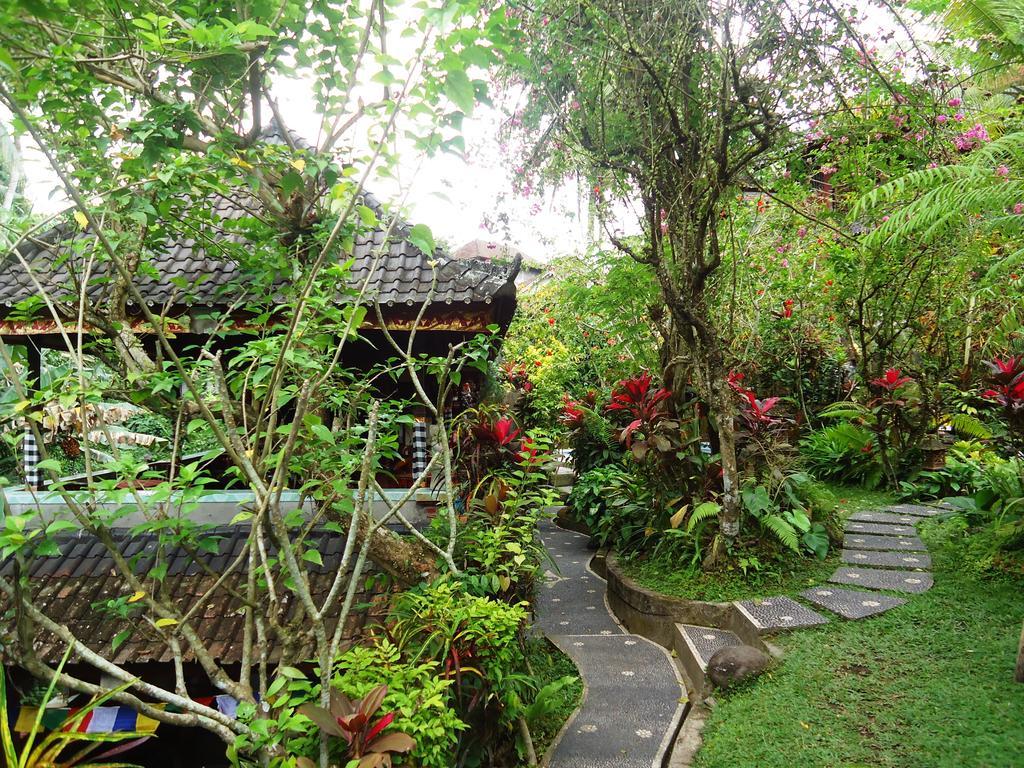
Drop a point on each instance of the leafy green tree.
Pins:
(670, 106)
(152, 114)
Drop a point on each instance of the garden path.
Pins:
(633, 698)
(881, 553)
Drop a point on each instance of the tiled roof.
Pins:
(403, 276)
(67, 587)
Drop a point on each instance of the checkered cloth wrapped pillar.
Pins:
(30, 458)
(420, 447)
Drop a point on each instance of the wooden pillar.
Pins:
(420, 447)
(29, 450)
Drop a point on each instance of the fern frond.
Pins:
(845, 410)
(782, 530)
(702, 512)
(969, 426)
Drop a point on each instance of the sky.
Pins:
(453, 195)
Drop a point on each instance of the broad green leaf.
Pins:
(459, 89)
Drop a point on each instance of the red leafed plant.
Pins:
(1007, 377)
(572, 413)
(891, 380)
(634, 397)
(500, 432)
(755, 411)
(353, 721)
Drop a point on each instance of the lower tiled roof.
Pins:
(68, 588)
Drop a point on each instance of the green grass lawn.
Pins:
(927, 685)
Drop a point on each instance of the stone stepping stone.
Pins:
(632, 705)
(881, 529)
(875, 578)
(916, 510)
(851, 603)
(887, 559)
(866, 541)
(704, 641)
(883, 517)
(773, 614)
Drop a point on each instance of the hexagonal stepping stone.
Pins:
(867, 541)
(880, 529)
(851, 603)
(702, 642)
(876, 578)
(886, 559)
(917, 510)
(773, 614)
(883, 517)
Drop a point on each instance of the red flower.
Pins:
(551, 321)
(892, 380)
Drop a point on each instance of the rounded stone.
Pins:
(735, 663)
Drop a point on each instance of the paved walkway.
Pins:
(633, 698)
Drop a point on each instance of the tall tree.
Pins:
(669, 104)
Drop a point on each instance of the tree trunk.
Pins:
(724, 410)
(409, 562)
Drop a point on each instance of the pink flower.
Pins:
(955, 102)
(940, 119)
(801, 232)
(959, 117)
(1003, 171)
(1018, 208)
(785, 263)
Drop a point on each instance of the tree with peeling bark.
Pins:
(671, 108)
(155, 118)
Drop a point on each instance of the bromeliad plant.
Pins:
(353, 722)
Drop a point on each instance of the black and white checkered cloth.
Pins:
(30, 457)
(420, 447)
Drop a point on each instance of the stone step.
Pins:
(892, 543)
(562, 477)
(917, 510)
(878, 578)
(563, 490)
(886, 559)
(778, 614)
(851, 603)
(696, 645)
(880, 529)
(884, 517)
